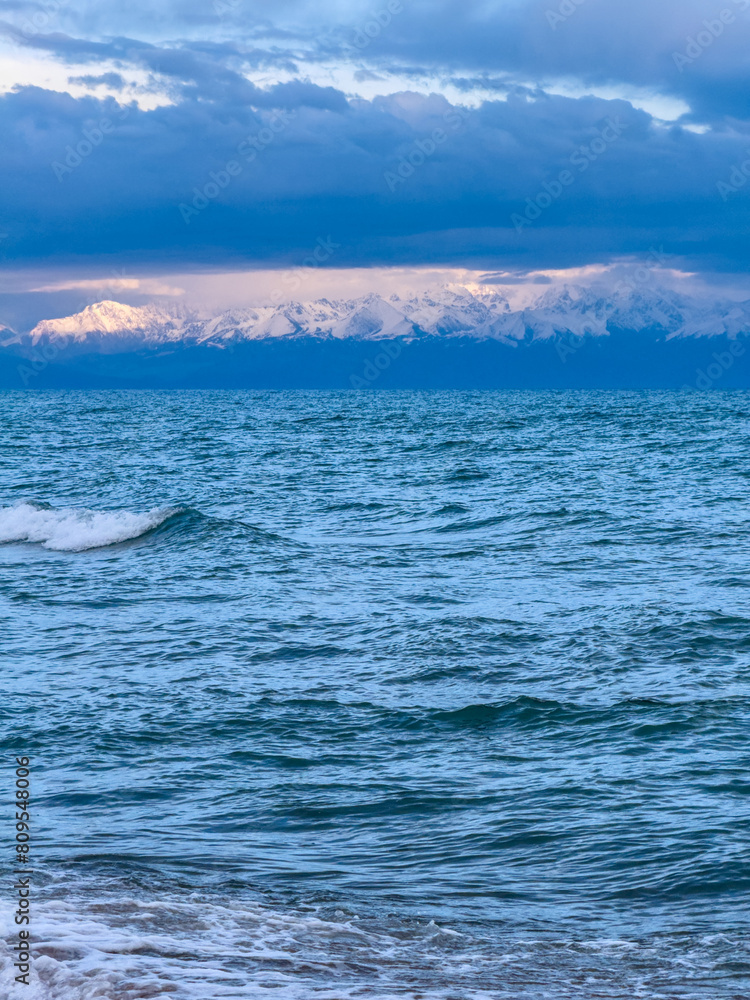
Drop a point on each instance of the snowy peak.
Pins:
(372, 318)
(105, 318)
(670, 313)
(449, 311)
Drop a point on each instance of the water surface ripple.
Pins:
(399, 694)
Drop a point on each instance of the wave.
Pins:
(69, 529)
(112, 938)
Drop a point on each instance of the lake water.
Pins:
(379, 695)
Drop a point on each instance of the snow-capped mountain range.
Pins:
(448, 312)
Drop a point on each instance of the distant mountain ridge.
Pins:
(447, 338)
(448, 312)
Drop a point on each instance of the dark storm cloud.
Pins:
(371, 174)
(403, 178)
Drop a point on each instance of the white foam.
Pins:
(93, 941)
(197, 947)
(68, 529)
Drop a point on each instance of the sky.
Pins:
(183, 148)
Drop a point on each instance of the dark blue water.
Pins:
(416, 695)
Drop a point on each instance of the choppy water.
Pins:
(415, 695)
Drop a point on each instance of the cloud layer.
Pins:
(260, 147)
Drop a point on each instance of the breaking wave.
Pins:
(69, 529)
